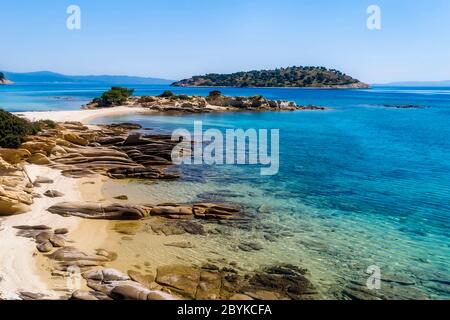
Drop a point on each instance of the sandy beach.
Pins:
(19, 271)
(84, 116)
(29, 271)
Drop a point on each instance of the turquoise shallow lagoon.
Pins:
(359, 185)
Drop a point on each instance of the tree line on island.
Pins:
(306, 77)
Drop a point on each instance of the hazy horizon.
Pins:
(176, 40)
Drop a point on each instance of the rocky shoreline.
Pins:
(59, 233)
(119, 152)
(215, 102)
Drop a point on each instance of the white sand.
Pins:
(18, 255)
(19, 270)
(83, 116)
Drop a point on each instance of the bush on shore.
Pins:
(13, 129)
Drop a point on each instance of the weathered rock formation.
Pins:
(94, 210)
(16, 191)
(209, 282)
(215, 102)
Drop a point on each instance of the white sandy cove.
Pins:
(18, 259)
(18, 267)
(83, 116)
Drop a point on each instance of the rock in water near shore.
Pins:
(116, 285)
(93, 210)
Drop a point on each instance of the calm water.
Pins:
(359, 185)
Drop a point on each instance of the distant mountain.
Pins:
(445, 83)
(52, 77)
(307, 77)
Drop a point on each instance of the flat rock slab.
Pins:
(180, 278)
(92, 210)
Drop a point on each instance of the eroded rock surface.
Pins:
(95, 210)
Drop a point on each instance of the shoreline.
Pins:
(29, 270)
(84, 115)
(20, 272)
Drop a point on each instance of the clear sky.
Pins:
(178, 38)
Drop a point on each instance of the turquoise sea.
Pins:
(359, 185)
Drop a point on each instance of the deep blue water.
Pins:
(369, 182)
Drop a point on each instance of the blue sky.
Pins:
(179, 38)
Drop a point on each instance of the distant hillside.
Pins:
(308, 77)
(3, 79)
(51, 77)
(445, 83)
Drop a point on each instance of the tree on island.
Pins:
(114, 97)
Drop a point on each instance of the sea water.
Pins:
(359, 185)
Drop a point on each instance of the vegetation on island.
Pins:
(13, 129)
(114, 97)
(309, 77)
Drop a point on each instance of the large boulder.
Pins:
(14, 156)
(181, 279)
(39, 146)
(93, 210)
(131, 292)
(76, 139)
(15, 195)
(39, 159)
(106, 275)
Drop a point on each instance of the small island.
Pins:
(291, 77)
(169, 102)
(3, 79)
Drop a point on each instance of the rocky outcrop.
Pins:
(209, 282)
(109, 150)
(215, 102)
(94, 210)
(16, 192)
(116, 285)
(14, 156)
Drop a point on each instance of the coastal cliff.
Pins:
(291, 77)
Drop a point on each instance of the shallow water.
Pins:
(359, 185)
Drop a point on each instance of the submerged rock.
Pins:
(180, 278)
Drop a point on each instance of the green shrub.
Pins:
(13, 130)
(115, 96)
(167, 94)
(215, 93)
